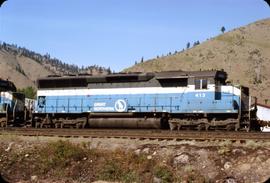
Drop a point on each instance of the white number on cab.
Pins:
(200, 95)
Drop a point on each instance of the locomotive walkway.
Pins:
(139, 134)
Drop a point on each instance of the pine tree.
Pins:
(188, 45)
(142, 60)
(222, 29)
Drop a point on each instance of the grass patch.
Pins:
(164, 173)
(261, 44)
(64, 159)
(187, 58)
(225, 147)
(60, 154)
(225, 38)
(113, 171)
(188, 168)
(9, 137)
(123, 166)
(252, 144)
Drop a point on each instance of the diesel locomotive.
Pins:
(175, 99)
(12, 104)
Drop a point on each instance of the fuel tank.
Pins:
(141, 123)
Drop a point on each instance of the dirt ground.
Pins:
(51, 159)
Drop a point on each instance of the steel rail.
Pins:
(138, 134)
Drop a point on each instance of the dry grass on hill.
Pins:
(244, 53)
(21, 70)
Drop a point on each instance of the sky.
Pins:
(116, 33)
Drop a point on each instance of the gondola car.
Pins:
(12, 110)
(173, 99)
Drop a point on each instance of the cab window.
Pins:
(204, 83)
(200, 84)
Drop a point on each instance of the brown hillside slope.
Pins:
(24, 67)
(244, 53)
(21, 70)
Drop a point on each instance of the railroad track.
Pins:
(138, 134)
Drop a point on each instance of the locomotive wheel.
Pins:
(37, 124)
(230, 127)
(56, 125)
(78, 125)
(173, 126)
(236, 127)
(201, 126)
(207, 127)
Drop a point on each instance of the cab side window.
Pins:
(197, 84)
(200, 84)
(204, 83)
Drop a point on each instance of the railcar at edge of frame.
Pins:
(12, 105)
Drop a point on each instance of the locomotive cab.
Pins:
(212, 103)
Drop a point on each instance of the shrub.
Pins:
(29, 92)
(225, 147)
(164, 173)
(60, 154)
(114, 171)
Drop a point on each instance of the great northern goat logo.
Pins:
(120, 105)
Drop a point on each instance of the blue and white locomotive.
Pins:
(12, 105)
(175, 99)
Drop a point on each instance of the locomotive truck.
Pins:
(175, 99)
